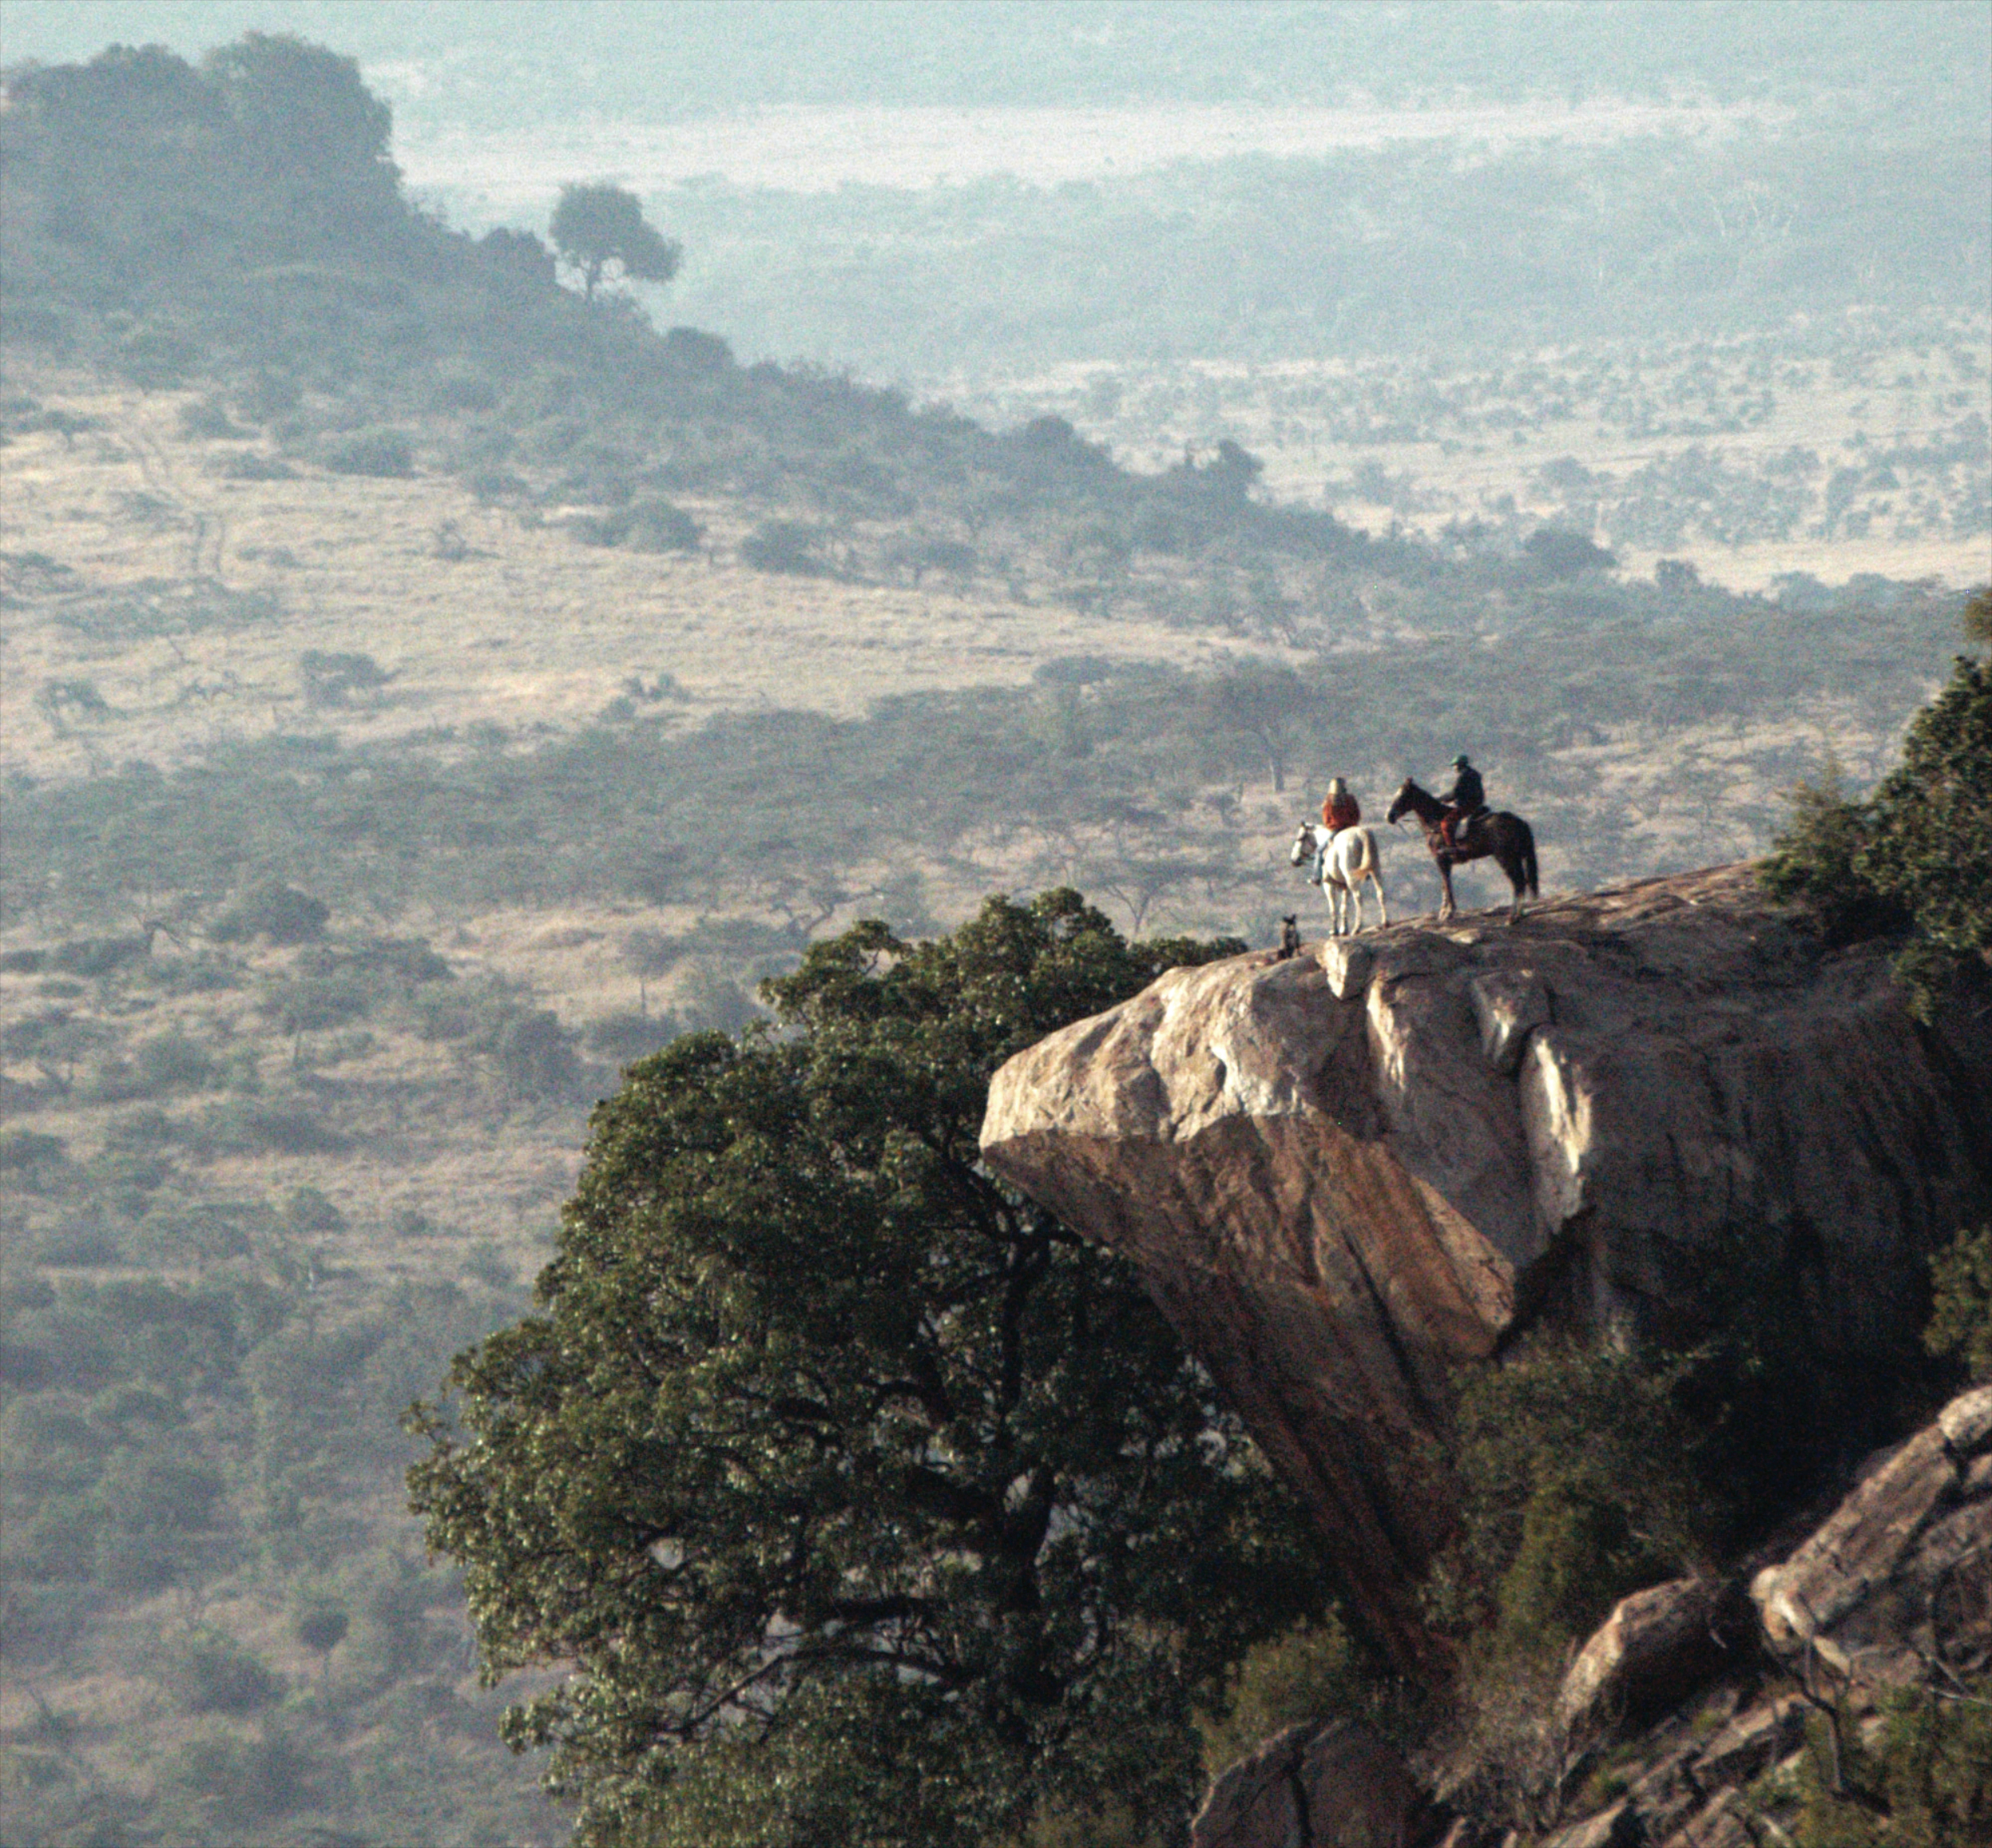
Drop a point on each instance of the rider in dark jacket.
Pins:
(1465, 800)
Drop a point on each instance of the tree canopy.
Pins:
(598, 225)
(1918, 854)
(866, 1503)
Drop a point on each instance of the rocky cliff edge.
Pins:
(1346, 1174)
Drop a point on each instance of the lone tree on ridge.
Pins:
(595, 226)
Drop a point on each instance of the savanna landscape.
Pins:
(431, 689)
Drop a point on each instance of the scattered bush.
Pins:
(1926, 1782)
(654, 525)
(207, 419)
(382, 453)
(308, 1213)
(207, 1671)
(1311, 1673)
(1961, 1321)
(786, 546)
(23, 1149)
(274, 911)
(330, 680)
(239, 1780)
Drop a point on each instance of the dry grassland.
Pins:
(529, 629)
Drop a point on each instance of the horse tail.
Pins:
(1368, 841)
(1528, 858)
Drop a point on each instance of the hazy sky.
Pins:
(496, 102)
(508, 62)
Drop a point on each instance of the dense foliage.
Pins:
(1917, 853)
(1960, 1320)
(868, 1504)
(1922, 1779)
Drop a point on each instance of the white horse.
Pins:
(1342, 863)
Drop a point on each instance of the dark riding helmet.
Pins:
(1459, 762)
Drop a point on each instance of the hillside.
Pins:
(427, 692)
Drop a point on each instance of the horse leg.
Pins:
(1511, 865)
(1382, 904)
(1446, 907)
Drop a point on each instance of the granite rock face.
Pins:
(1656, 1644)
(1892, 1590)
(1333, 1784)
(1346, 1175)
(1900, 1577)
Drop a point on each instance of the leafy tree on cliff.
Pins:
(596, 226)
(868, 1503)
(1919, 852)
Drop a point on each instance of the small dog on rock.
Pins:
(1289, 937)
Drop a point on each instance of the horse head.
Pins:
(1303, 847)
(1401, 803)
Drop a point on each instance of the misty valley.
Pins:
(455, 720)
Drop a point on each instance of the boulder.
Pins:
(1899, 1576)
(1326, 1784)
(1346, 1177)
(1657, 1646)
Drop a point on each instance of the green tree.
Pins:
(1961, 1306)
(596, 226)
(1932, 846)
(306, 111)
(870, 1503)
(1917, 853)
(1260, 710)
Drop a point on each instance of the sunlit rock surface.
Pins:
(1347, 1176)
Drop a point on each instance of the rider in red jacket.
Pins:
(1340, 809)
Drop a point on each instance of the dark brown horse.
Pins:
(1502, 836)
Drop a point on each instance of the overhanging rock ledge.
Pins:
(1345, 1176)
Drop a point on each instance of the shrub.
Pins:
(285, 1128)
(1961, 1323)
(461, 391)
(655, 525)
(246, 1780)
(493, 485)
(204, 417)
(383, 452)
(330, 680)
(168, 1063)
(1581, 1485)
(1926, 1782)
(207, 1671)
(786, 546)
(537, 1056)
(31, 1148)
(1817, 861)
(1311, 1672)
(312, 1004)
(275, 911)
(307, 1211)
